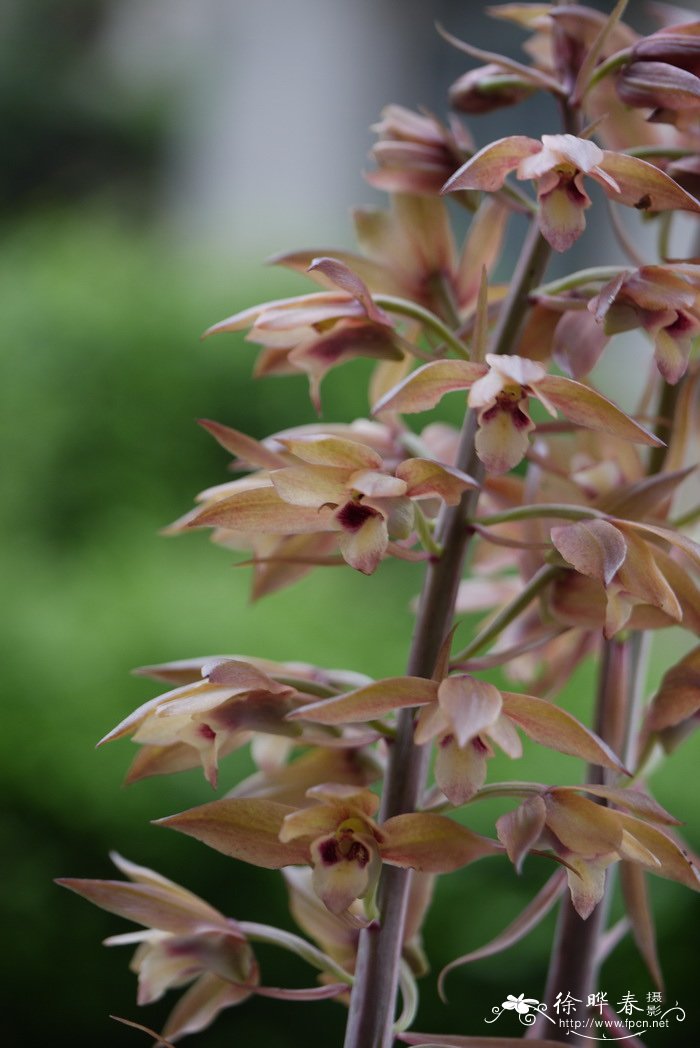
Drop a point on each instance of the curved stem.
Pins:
(372, 1002)
(610, 65)
(540, 510)
(404, 307)
(592, 275)
(295, 944)
(537, 583)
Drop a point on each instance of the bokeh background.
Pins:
(153, 154)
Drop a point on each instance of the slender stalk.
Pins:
(537, 583)
(593, 275)
(372, 1002)
(405, 308)
(666, 412)
(541, 510)
(574, 965)
(610, 65)
(576, 956)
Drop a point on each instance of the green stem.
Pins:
(690, 517)
(664, 429)
(508, 789)
(610, 65)
(537, 583)
(288, 941)
(425, 533)
(540, 509)
(664, 239)
(372, 1002)
(404, 307)
(593, 275)
(668, 152)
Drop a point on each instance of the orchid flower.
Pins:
(330, 484)
(336, 835)
(663, 300)
(462, 713)
(558, 164)
(230, 703)
(499, 391)
(314, 333)
(589, 836)
(185, 940)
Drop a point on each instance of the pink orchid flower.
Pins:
(558, 164)
(499, 392)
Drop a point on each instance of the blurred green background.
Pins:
(102, 300)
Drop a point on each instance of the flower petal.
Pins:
(460, 770)
(636, 898)
(587, 829)
(426, 386)
(641, 577)
(686, 545)
(345, 341)
(432, 843)
(340, 878)
(311, 486)
(481, 249)
(502, 438)
(674, 861)
(516, 369)
(262, 510)
(554, 727)
(578, 341)
(321, 449)
(363, 545)
(520, 829)
(288, 784)
(644, 186)
(470, 706)
(244, 829)
(488, 168)
(376, 485)
(586, 407)
(374, 700)
(594, 547)
(426, 478)
(561, 217)
(243, 447)
(631, 800)
(198, 1008)
(340, 274)
(587, 882)
(152, 905)
(678, 697)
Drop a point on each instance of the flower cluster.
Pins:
(577, 515)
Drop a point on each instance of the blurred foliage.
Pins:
(103, 376)
(67, 130)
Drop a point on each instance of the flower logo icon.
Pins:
(520, 1004)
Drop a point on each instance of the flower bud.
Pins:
(659, 85)
(487, 88)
